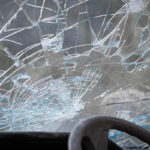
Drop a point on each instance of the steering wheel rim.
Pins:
(97, 128)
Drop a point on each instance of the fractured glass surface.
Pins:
(64, 60)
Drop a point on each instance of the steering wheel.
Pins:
(92, 133)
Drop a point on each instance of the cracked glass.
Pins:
(64, 60)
